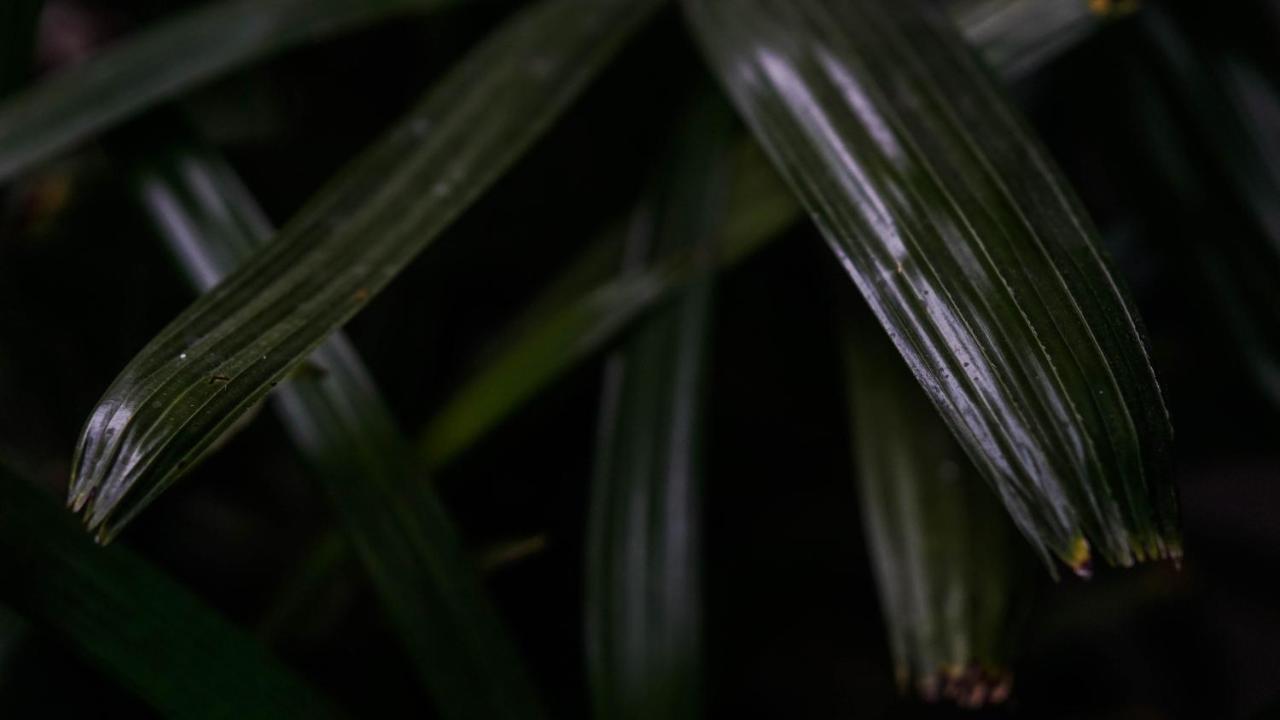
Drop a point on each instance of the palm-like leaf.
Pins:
(942, 548)
(228, 350)
(973, 254)
(135, 623)
(339, 421)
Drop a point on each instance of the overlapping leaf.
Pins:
(643, 599)
(339, 421)
(943, 550)
(228, 350)
(584, 308)
(163, 61)
(973, 254)
(134, 623)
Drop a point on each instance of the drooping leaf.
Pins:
(584, 308)
(18, 25)
(1196, 96)
(134, 623)
(165, 60)
(229, 349)
(343, 428)
(643, 601)
(944, 553)
(973, 254)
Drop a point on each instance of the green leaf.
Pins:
(226, 352)
(1227, 107)
(974, 255)
(18, 24)
(944, 552)
(584, 308)
(342, 426)
(162, 61)
(1020, 36)
(643, 601)
(133, 622)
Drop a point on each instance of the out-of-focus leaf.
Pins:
(584, 308)
(18, 24)
(339, 421)
(582, 311)
(643, 603)
(233, 345)
(975, 257)
(166, 59)
(1226, 107)
(134, 623)
(1019, 36)
(945, 555)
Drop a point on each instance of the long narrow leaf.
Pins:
(229, 349)
(584, 308)
(942, 548)
(162, 61)
(339, 421)
(134, 623)
(643, 601)
(973, 254)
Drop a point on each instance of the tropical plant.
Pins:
(573, 261)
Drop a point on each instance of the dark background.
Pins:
(793, 622)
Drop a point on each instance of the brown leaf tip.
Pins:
(970, 687)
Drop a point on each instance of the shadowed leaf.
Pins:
(972, 253)
(643, 601)
(1194, 96)
(18, 25)
(132, 622)
(165, 60)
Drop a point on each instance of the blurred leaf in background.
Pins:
(644, 597)
(948, 563)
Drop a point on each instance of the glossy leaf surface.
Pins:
(165, 60)
(973, 254)
(133, 622)
(338, 420)
(227, 351)
(584, 308)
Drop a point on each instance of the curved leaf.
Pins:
(133, 622)
(584, 308)
(643, 600)
(342, 426)
(229, 349)
(944, 552)
(973, 254)
(163, 61)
